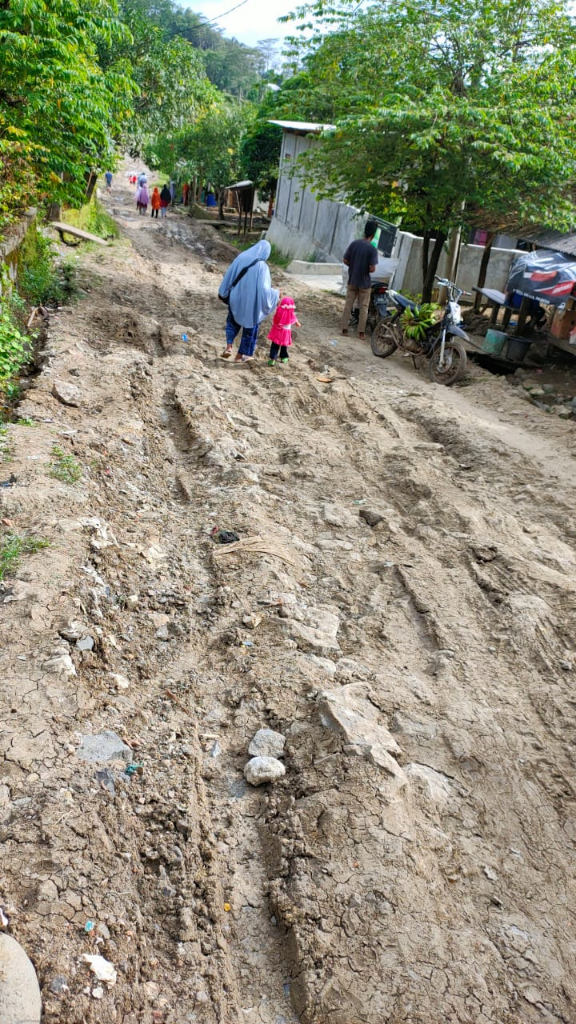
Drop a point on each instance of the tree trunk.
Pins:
(221, 195)
(425, 253)
(484, 267)
(53, 211)
(433, 262)
(452, 259)
(91, 179)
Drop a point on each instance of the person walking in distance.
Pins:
(155, 202)
(164, 200)
(142, 199)
(361, 258)
(108, 177)
(281, 331)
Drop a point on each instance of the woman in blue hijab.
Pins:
(247, 291)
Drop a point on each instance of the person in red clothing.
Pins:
(185, 190)
(281, 330)
(155, 202)
(361, 258)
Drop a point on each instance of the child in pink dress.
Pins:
(281, 330)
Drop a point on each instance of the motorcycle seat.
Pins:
(402, 302)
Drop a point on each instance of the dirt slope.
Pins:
(416, 864)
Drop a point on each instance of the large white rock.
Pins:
(267, 743)
(20, 1001)
(348, 712)
(318, 634)
(263, 769)
(67, 393)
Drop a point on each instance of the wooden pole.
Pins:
(451, 260)
(484, 267)
(523, 314)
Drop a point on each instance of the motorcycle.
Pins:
(377, 308)
(446, 355)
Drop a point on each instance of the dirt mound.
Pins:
(412, 864)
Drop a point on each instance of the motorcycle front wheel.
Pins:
(384, 340)
(454, 366)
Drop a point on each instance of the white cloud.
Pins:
(254, 20)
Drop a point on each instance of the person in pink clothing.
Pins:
(281, 331)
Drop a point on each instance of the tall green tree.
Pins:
(458, 113)
(59, 111)
(260, 156)
(208, 151)
(171, 80)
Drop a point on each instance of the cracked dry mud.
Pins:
(416, 863)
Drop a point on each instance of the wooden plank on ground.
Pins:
(62, 228)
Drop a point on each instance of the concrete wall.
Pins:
(10, 249)
(408, 276)
(303, 226)
(306, 228)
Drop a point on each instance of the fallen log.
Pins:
(84, 236)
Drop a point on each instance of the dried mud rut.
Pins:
(416, 863)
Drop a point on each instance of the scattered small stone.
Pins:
(47, 890)
(263, 769)
(58, 985)
(104, 746)
(98, 992)
(120, 682)
(60, 664)
(101, 968)
(68, 394)
(563, 411)
(132, 601)
(566, 665)
(224, 536)
(267, 743)
(19, 990)
(85, 644)
(162, 633)
(106, 780)
(72, 631)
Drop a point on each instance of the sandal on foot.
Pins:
(271, 362)
(226, 353)
(285, 360)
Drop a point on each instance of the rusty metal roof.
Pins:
(548, 239)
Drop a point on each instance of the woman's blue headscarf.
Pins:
(253, 298)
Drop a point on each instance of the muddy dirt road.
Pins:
(416, 862)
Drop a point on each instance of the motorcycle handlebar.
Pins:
(445, 283)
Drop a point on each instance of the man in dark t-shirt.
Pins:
(361, 258)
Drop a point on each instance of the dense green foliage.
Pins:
(81, 78)
(260, 154)
(208, 151)
(445, 115)
(14, 345)
(59, 110)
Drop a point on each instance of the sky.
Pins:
(254, 20)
